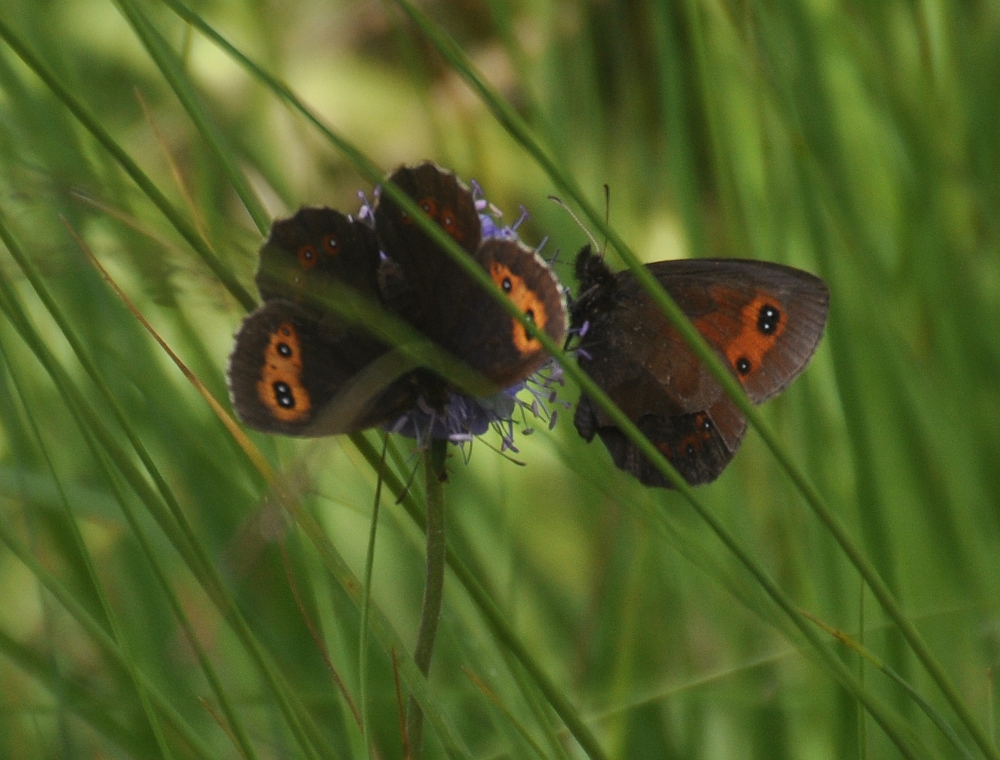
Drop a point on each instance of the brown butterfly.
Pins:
(299, 367)
(763, 319)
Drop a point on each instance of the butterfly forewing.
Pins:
(764, 319)
(438, 283)
(317, 246)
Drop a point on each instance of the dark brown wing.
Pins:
(436, 281)
(693, 443)
(451, 308)
(307, 251)
(489, 339)
(297, 367)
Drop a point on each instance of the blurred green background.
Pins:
(584, 615)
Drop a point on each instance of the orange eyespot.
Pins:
(308, 256)
(746, 343)
(429, 205)
(331, 246)
(450, 224)
(527, 301)
(280, 386)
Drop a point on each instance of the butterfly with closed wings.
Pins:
(763, 319)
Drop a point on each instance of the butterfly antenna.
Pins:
(575, 218)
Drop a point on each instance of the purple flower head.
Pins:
(366, 212)
(491, 218)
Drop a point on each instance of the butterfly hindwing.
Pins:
(286, 375)
(296, 360)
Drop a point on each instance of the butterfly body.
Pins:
(764, 320)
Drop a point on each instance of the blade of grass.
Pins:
(93, 579)
(505, 711)
(936, 718)
(75, 696)
(366, 604)
(495, 618)
(234, 724)
(169, 65)
(105, 642)
(492, 614)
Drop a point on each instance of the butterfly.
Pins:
(764, 320)
(301, 367)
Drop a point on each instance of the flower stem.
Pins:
(366, 606)
(434, 479)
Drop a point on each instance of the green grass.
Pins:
(584, 616)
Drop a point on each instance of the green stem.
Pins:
(434, 478)
(365, 607)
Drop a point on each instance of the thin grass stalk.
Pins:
(169, 65)
(366, 605)
(935, 717)
(593, 391)
(453, 744)
(73, 698)
(824, 178)
(522, 731)
(870, 504)
(233, 722)
(420, 78)
(493, 616)
(435, 476)
(368, 169)
(328, 553)
(102, 639)
(879, 588)
(862, 672)
(500, 11)
(90, 426)
(536, 703)
(673, 109)
(65, 326)
(628, 427)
